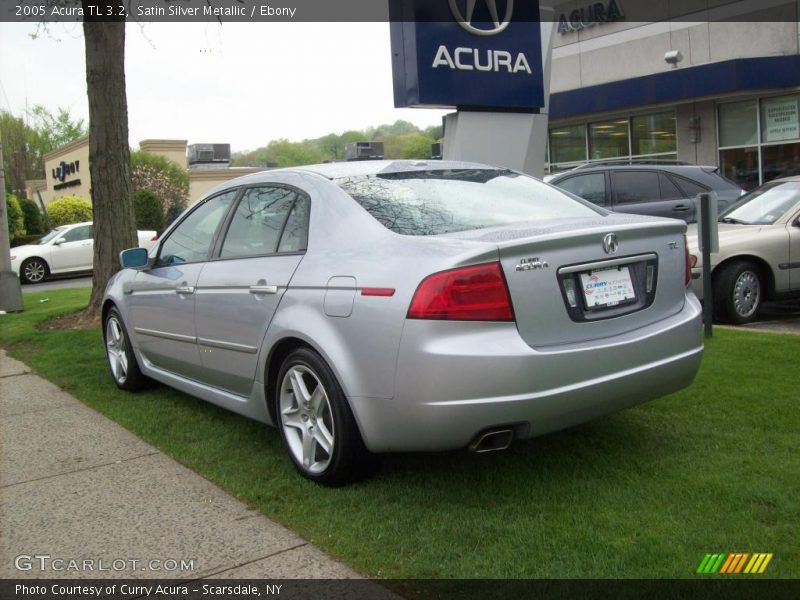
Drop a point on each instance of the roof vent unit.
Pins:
(209, 155)
(363, 151)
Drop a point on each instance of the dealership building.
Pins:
(693, 88)
(67, 168)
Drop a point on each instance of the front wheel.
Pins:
(738, 292)
(34, 270)
(121, 360)
(316, 424)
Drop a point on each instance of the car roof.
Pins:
(791, 178)
(363, 168)
(672, 168)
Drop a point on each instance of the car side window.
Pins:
(669, 191)
(690, 188)
(635, 186)
(78, 234)
(191, 240)
(295, 234)
(257, 224)
(591, 187)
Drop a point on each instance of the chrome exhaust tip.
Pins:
(492, 441)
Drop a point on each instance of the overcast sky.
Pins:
(241, 83)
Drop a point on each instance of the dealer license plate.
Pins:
(607, 287)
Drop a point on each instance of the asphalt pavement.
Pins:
(75, 485)
(58, 284)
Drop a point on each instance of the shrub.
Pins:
(34, 223)
(69, 209)
(165, 178)
(25, 239)
(16, 218)
(148, 210)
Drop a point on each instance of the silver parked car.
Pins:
(379, 306)
(759, 252)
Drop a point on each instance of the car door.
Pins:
(794, 251)
(240, 289)
(640, 192)
(589, 186)
(162, 298)
(73, 251)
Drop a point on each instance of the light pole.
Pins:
(10, 291)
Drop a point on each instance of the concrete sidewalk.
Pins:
(75, 485)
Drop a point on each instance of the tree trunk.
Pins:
(109, 154)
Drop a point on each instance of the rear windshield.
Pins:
(444, 201)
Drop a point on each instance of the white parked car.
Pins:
(64, 250)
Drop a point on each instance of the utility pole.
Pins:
(10, 291)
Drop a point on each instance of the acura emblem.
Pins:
(465, 19)
(610, 243)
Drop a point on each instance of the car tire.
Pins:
(316, 423)
(121, 360)
(34, 270)
(738, 292)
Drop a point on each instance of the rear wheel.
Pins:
(738, 292)
(121, 360)
(316, 424)
(34, 270)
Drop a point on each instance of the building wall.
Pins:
(77, 183)
(624, 49)
(77, 153)
(202, 180)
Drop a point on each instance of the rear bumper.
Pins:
(455, 380)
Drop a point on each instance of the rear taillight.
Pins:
(687, 275)
(477, 293)
(154, 238)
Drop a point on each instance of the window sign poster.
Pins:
(781, 119)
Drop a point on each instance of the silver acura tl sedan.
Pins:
(380, 306)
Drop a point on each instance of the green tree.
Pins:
(289, 154)
(55, 130)
(149, 211)
(412, 145)
(15, 216)
(26, 141)
(69, 209)
(34, 223)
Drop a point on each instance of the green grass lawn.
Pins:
(645, 493)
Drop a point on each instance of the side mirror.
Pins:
(133, 258)
(59, 241)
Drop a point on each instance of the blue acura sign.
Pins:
(484, 54)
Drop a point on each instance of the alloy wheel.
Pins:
(307, 419)
(34, 271)
(746, 294)
(116, 349)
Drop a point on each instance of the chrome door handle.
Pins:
(263, 289)
(184, 289)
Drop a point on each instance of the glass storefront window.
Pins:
(768, 130)
(568, 144)
(609, 139)
(782, 160)
(653, 134)
(780, 120)
(738, 124)
(741, 166)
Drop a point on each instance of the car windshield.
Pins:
(764, 205)
(443, 201)
(50, 235)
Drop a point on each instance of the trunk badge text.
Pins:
(610, 243)
(531, 264)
